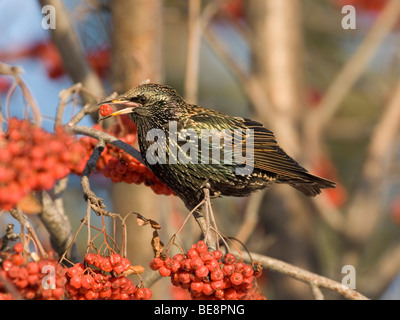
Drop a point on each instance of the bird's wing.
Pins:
(267, 155)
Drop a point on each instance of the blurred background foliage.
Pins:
(234, 67)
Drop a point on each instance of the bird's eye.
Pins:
(142, 99)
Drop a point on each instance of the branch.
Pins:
(354, 67)
(192, 51)
(108, 139)
(58, 226)
(15, 72)
(363, 212)
(348, 75)
(74, 59)
(314, 280)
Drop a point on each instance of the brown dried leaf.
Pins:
(141, 221)
(133, 270)
(30, 204)
(154, 224)
(157, 244)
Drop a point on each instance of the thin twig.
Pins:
(314, 280)
(192, 51)
(15, 73)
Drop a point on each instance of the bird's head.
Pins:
(148, 100)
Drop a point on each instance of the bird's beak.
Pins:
(120, 101)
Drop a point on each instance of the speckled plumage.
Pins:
(157, 106)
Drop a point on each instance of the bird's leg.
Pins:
(209, 217)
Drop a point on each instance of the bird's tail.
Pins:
(310, 184)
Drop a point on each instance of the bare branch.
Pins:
(15, 72)
(108, 139)
(300, 274)
(74, 59)
(192, 51)
(363, 212)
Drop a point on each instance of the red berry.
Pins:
(33, 279)
(17, 259)
(192, 253)
(123, 282)
(229, 258)
(90, 258)
(236, 278)
(228, 269)
(184, 277)
(118, 269)
(18, 247)
(7, 264)
(76, 281)
(196, 263)
(141, 294)
(105, 110)
(115, 259)
(202, 272)
(217, 254)
(219, 294)
(179, 257)
(207, 289)
(186, 264)
(218, 284)
(206, 256)
(115, 283)
(105, 265)
(239, 266)
(148, 294)
(230, 294)
(32, 267)
(153, 265)
(91, 295)
(168, 263)
(217, 275)
(22, 273)
(57, 293)
(13, 272)
(105, 294)
(201, 246)
(212, 265)
(176, 266)
(247, 270)
(164, 271)
(197, 286)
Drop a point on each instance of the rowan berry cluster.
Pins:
(207, 274)
(33, 159)
(103, 279)
(120, 166)
(29, 279)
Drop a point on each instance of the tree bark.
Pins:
(277, 63)
(136, 57)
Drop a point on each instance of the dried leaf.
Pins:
(141, 221)
(30, 204)
(154, 224)
(133, 270)
(157, 244)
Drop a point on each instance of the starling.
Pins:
(188, 147)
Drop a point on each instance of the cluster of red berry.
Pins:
(36, 280)
(103, 279)
(117, 164)
(207, 274)
(33, 159)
